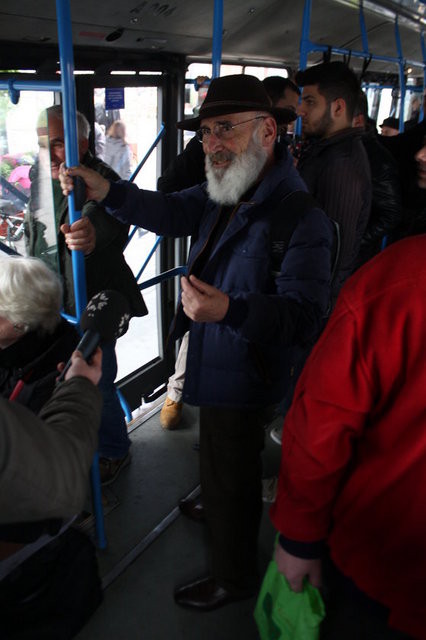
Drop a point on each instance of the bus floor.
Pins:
(152, 547)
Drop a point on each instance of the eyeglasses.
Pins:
(222, 130)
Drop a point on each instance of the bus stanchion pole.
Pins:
(217, 38)
(72, 159)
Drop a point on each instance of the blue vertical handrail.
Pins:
(363, 29)
(217, 38)
(305, 45)
(71, 139)
(401, 75)
(72, 159)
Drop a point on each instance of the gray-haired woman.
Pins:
(33, 336)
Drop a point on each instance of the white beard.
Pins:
(225, 186)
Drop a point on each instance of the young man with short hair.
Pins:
(334, 164)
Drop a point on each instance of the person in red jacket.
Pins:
(351, 490)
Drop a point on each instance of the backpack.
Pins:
(283, 227)
(52, 594)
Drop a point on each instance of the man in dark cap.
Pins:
(257, 286)
(390, 127)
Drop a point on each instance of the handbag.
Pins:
(53, 593)
(283, 614)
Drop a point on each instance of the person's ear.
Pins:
(338, 108)
(269, 131)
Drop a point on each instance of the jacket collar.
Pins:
(350, 132)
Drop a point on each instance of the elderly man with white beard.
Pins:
(258, 285)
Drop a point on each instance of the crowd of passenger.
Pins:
(290, 302)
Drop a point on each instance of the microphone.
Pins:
(105, 318)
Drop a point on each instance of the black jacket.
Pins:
(404, 148)
(106, 267)
(33, 359)
(337, 174)
(186, 170)
(386, 205)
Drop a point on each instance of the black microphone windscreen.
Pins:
(108, 314)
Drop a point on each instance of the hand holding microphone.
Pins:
(105, 318)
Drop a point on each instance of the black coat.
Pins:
(33, 359)
(337, 174)
(386, 205)
(186, 170)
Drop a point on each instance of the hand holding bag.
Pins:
(283, 614)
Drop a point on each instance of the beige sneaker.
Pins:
(171, 414)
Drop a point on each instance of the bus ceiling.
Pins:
(151, 35)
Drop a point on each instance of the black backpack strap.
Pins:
(285, 219)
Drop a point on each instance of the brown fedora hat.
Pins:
(235, 94)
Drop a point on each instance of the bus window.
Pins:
(19, 152)
(384, 106)
(140, 114)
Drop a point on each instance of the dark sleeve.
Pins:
(174, 215)
(306, 550)
(186, 170)
(45, 460)
(386, 209)
(108, 230)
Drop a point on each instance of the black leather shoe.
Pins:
(193, 508)
(205, 594)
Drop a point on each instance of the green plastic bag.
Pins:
(282, 614)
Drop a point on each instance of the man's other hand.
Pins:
(97, 187)
(79, 367)
(295, 569)
(202, 302)
(80, 236)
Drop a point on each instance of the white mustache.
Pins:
(221, 156)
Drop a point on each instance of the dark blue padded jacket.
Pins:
(244, 360)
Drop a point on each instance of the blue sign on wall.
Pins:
(114, 98)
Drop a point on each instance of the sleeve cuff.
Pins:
(305, 550)
(236, 314)
(116, 195)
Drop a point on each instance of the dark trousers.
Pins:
(113, 437)
(350, 613)
(231, 442)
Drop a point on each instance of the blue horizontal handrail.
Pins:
(31, 85)
(160, 134)
(177, 271)
(149, 256)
